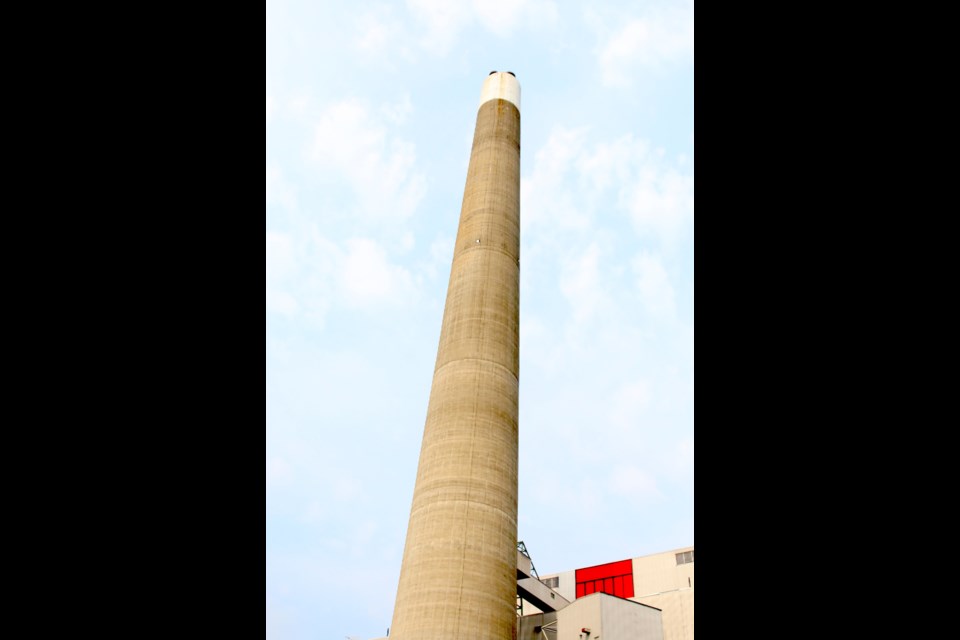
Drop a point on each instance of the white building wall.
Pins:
(608, 618)
(585, 612)
(626, 620)
(660, 582)
(568, 585)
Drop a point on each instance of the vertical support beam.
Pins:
(458, 579)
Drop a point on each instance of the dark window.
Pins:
(685, 557)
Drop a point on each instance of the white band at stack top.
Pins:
(501, 85)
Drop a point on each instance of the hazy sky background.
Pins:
(371, 108)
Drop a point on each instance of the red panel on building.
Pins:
(615, 578)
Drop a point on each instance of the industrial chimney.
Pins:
(458, 578)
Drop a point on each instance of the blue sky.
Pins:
(370, 110)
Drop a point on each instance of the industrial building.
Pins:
(662, 582)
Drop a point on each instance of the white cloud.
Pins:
(545, 196)
(269, 107)
(383, 38)
(352, 144)
(308, 275)
(682, 455)
(499, 16)
(441, 250)
(611, 164)
(633, 482)
(397, 113)
(282, 302)
(298, 105)
(280, 267)
(532, 329)
(280, 258)
(407, 241)
(375, 36)
(572, 179)
(663, 36)
(442, 21)
(279, 472)
(377, 28)
(368, 278)
(315, 512)
(660, 201)
(582, 284)
(438, 258)
(561, 148)
(279, 191)
(299, 273)
(629, 405)
(347, 488)
(653, 282)
(503, 17)
(576, 186)
(578, 203)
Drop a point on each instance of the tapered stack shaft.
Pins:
(458, 578)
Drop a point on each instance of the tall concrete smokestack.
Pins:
(458, 579)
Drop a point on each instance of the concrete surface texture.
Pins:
(458, 576)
